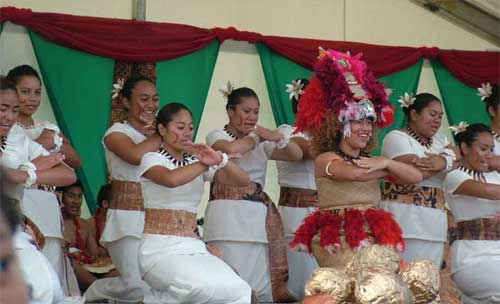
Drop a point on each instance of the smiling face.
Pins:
(478, 154)
(142, 104)
(72, 201)
(244, 116)
(9, 110)
(428, 121)
(29, 89)
(179, 132)
(361, 133)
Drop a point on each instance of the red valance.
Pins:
(141, 41)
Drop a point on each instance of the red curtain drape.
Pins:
(141, 41)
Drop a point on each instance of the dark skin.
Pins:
(72, 202)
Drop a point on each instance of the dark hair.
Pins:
(234, 98)
(20, 71)
(421, 102)
(130, 84)
(6, 84)
(8, 206)
(493, 100)
(168, 111)
(295, 101)
(472, 132)
(65, 189)
(104, 194)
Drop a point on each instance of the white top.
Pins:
(397, 143)
(467, 207)
(19, 149)
(296, 174)
(117, 167)
(186, 197)
(253, 162)
(239, 220)
(36, 130)
(122, 223)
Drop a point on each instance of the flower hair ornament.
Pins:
(407, 100)
(227, 89)
(117, 88)
(295, 89)
(342, 84)
(484, 91)
(461, 127)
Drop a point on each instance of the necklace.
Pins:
(348, 157)
(419, 139)
(4, 144)
(479, 176)
(186, 158)
(226, 129)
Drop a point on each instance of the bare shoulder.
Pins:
(324, 158)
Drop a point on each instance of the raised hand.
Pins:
(373, 163)
(205, 154)
(431, 162)
(46, 139)
(268, 135)
(48, 161)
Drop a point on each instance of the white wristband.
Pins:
(30, 169)
(255, 137)
(58, 141)
(222, 164)
(283, 142)
(450, 157)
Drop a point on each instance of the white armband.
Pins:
(450, 157)
(30, 169)
(255, 137)
(222, 164)
(58, 141)
(283, 142)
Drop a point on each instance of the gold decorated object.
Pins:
(374, 256)
(375, 285)
(329, 281)
(422, 277)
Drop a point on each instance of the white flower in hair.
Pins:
(117, 87)
(461, 127)
(295, 89)
(484, 91)
(406, 100)
(227, 89)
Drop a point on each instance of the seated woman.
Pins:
(341, 118)
(172, 258)
(98, 220)
(27, 163)
(473, 192)
(79, 234)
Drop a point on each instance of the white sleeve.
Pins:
(150, 160)
(453, 180)
(35, 149)
(215, 136)
(396, 144)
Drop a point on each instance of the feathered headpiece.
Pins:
(343, 84)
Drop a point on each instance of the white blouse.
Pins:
(117, 167)
(185, 197)
(296, 174)
(18, 150)
(465, 207)
(397, 143)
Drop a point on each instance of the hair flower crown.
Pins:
(227, 89)
(295, 89)
(407, 100)
(461, 127)
(484, 91)
(117, 88)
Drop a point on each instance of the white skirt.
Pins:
(181, 270)
(475, 267)
(42, 207)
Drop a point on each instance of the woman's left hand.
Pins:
(205, 154)
(431, 162)
(374, 163)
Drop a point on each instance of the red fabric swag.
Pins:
(140, 41)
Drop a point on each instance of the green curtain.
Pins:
(186, 79)
(79, 86)
(461, 102)
(280, 71)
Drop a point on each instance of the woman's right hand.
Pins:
(268, 135)
(373, 163)
(46, 139)
(47, 161)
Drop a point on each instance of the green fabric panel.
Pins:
(461, 102)
(79, 87)
(186, 79)
(280, 71)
